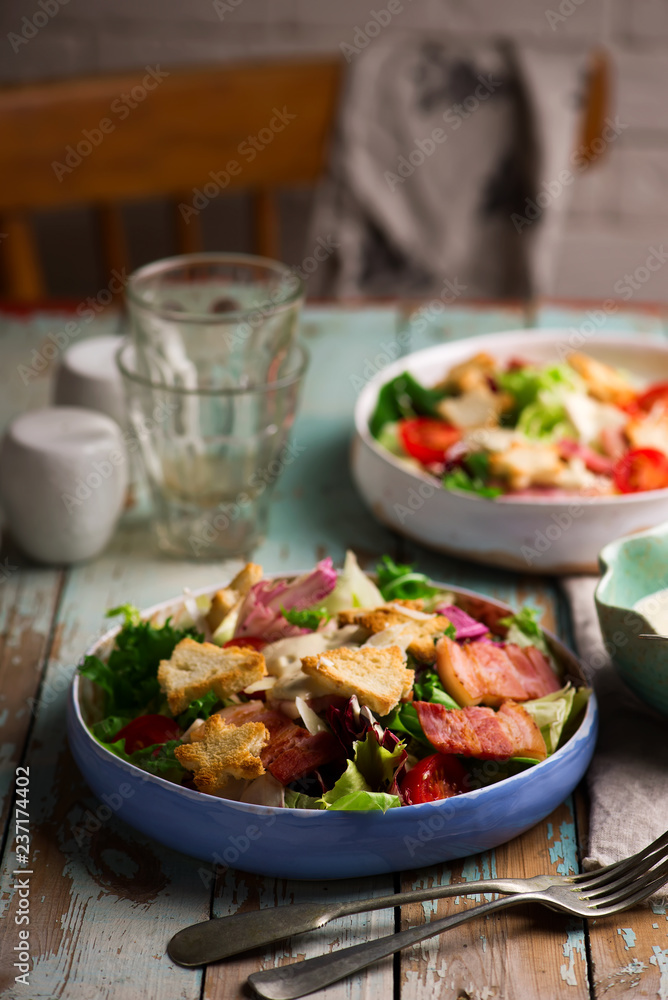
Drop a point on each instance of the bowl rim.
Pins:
(534, 335)
(607, 558)
(589, 718)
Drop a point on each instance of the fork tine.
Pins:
(617, 881)
(633, 892)
(606, 874)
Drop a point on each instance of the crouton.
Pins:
(198, 667)
(603, 382)
(524, 465)
(220, 751)
(469, 374)
(479, 407)
(422, 632)
(353, 616)
(378, 677)
(226, 600)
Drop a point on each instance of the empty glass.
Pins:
(212, 320)
(212, 454)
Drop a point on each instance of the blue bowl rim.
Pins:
(466, 798)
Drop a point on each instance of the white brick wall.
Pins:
(619, 207)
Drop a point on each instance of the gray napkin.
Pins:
(628, 777)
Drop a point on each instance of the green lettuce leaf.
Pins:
(403, 397)
(524, 630)
(201, 708)
(376, 764)
(129, 677)
(309, 618)
(428, 687)
(352, 793)
(298, 800)
(105, 730)
(553, 712)
(157, 759)
(460, 479)
(404, 721)
(399, 582)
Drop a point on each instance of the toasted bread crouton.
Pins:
(603, 382)
(378, 677)
(470, 374)
(422, 632)
(198, 667)
(524, 465)
(226, 599)
(353, 616)
(219, 751)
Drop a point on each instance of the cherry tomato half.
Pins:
(657, 393)
(437, 777)
(147, 730)
(641, 469)
(249, 641)
(427, 440)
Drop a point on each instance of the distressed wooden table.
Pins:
(104, 900)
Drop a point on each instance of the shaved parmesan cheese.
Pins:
(313, 722)
(262, 685)
(419, 616)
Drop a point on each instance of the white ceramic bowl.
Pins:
(555, 535)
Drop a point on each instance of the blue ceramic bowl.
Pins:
(304, 844)
(632, 568)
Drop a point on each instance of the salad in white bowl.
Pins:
(515, 428)
(330, 691)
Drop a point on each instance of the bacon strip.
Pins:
(482, 732)
(292, 751)
(481, 673)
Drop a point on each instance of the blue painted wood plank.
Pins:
(590, 320)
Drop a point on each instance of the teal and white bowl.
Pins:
(635, 567)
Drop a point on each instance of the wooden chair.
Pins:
(181, 130)
(107, 140)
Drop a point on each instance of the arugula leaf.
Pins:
(309, 618)
(460, 479)
(201, 708)
(428, 687)
(157, 759)
(129, 677)
(398, 582)
(403, 397)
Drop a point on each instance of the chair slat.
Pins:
(266, 226)
(23, 278)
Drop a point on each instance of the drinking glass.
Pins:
(214, 320)
(212, 454)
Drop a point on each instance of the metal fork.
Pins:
(213, 940)
(598, 894)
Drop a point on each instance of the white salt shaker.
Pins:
(63, 480)
(88, 376)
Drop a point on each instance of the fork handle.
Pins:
(213, 940)
(301, 978)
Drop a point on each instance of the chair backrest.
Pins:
(107, 140)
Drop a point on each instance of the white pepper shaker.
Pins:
(63, 480)
(88, 376)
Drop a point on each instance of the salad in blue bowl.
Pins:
(341, 709)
